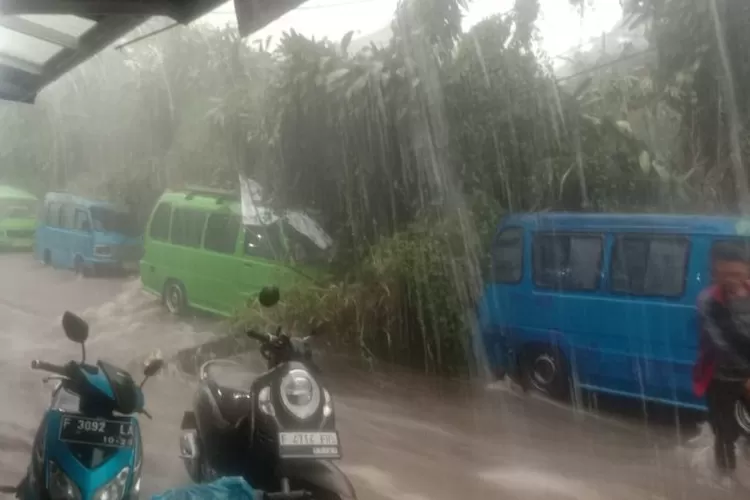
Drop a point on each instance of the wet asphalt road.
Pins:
(405, 437)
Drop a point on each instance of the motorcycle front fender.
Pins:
(322, 477)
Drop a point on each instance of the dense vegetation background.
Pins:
(408, 154)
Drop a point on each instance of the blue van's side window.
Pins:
(53, 214)
(567, 261)
(67, 216)
(82, 222)
(649, 265)
(507, 266)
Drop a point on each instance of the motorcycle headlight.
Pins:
(61, 487)
(300, 394)
(115, 489)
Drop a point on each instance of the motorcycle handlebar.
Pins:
(48, 367)
(260, 337)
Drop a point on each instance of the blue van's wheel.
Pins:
(80, 267)
(545, 369)
(175, 298)
(47, 259)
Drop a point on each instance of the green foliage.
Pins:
(403, 303)
(702, 48)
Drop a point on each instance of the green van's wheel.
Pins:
(174, 297)
(546, 370)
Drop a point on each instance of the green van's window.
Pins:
(160, 222)
(187, 227)
(649, 265)
(507, 266)
(13, 208)
(567, 261)
(221, 233)
(264, 241)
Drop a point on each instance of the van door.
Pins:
(83, 238)
(501, 309)
(649, 315)
(68, 236)
(188, 260)
(50, 243)
(564, 307)
(156, 264)
(220, 263)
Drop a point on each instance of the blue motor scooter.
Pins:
(88, 445)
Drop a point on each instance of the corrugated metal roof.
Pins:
(41, 40)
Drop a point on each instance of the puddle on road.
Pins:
(698, 454)
(128, 328)
(380, 482)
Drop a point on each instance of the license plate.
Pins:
(96, 432)
(309, 445)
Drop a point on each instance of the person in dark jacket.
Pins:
(722, 371)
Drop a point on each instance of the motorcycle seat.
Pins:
(229, 383)
(229, 375)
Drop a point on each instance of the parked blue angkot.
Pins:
(602, 303)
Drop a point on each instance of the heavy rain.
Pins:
(514, 228)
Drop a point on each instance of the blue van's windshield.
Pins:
(115, 221)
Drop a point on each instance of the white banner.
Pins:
(254, 214)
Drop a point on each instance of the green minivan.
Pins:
(18, 218)
(199, 254)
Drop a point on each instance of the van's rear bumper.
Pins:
(16, 243)
(104, 265)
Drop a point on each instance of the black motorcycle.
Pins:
(276, 429)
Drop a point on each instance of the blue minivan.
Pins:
(600, 302)
(86, 235)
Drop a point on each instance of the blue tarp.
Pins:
(226, 488)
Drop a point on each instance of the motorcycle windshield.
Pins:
(227, 488)
(66, 401)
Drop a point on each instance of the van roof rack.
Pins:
(220, 194)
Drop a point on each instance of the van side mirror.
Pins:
(151, 369)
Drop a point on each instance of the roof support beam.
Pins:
(21, 64)
(35, 30)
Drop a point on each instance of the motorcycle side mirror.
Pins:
(152, 367)
(269, 296)
(76, 329)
